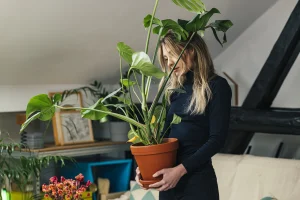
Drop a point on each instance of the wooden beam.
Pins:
(270, 78)
(275, 120)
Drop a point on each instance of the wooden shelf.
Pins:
(75, 150)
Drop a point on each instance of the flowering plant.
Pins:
(68, 189)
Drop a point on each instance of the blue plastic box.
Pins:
(117, 171)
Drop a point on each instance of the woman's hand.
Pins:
(171, 176)
(138, 177)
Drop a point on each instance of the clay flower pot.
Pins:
(153, 158)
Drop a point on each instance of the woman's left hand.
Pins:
(171, 176)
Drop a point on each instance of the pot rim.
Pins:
(171, 145)
(169, 140)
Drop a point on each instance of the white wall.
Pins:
(74, 41)
(243, 60)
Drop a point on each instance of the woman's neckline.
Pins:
(189, 77)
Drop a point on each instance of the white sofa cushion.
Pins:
(250, 177)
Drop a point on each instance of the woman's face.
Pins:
(171, 59)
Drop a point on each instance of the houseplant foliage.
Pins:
(22, 170)
(149, 130)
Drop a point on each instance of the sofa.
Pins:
(244, 177)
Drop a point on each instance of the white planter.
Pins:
(119, 131)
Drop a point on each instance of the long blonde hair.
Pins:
(203, 70)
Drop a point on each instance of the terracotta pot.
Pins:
(153, 158)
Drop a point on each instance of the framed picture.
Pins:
(71, 128)
(68, 126)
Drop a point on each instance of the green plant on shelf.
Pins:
(22, 170)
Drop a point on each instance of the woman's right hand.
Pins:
(138, 177)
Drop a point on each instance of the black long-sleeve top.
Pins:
(200, 136)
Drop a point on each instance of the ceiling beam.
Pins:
(268, 82)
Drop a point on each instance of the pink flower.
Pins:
(62, 179)
(53, 179)
(46, 195)
(88, 183)
(79, 177)
(60, 192)
(45, 188)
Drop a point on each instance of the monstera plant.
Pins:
(147, 123)
(149, 130)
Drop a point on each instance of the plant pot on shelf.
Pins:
(119, 131)
(101, 129)
(153, 158)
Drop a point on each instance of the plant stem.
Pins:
(122, 117)
(148, 83)
(144, 106)
(129, 91)
(150, 27)
(168, 77)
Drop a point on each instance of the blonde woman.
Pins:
(204, 109)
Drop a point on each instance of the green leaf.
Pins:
(132, 134)
(200, 21)
(124, 100)
(169, 24)
(38, 103)
(194, 6)
(29, 120)
(147, 21)
(176, 119)
(94, 115)
(125, 52)
(119, 105)
(220, 25)
(111, 95)
(157, 29)
(157, 110)
(127, 83)
(47, 113)
(142, 63)
(56, 98)
(216, 36)
(182, 23)
(201, 33)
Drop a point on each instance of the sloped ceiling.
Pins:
(74, 41)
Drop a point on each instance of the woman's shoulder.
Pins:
(218, 80)
(219, 83)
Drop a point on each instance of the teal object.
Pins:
(268, 198)
(117, 171)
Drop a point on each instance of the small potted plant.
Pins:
(146, 124)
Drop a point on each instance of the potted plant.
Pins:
(148, 133)
(18, 173)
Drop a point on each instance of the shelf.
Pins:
(75, 150)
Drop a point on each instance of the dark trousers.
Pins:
(201, 185)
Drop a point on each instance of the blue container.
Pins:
(117, 171)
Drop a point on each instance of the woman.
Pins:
(204, 109)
